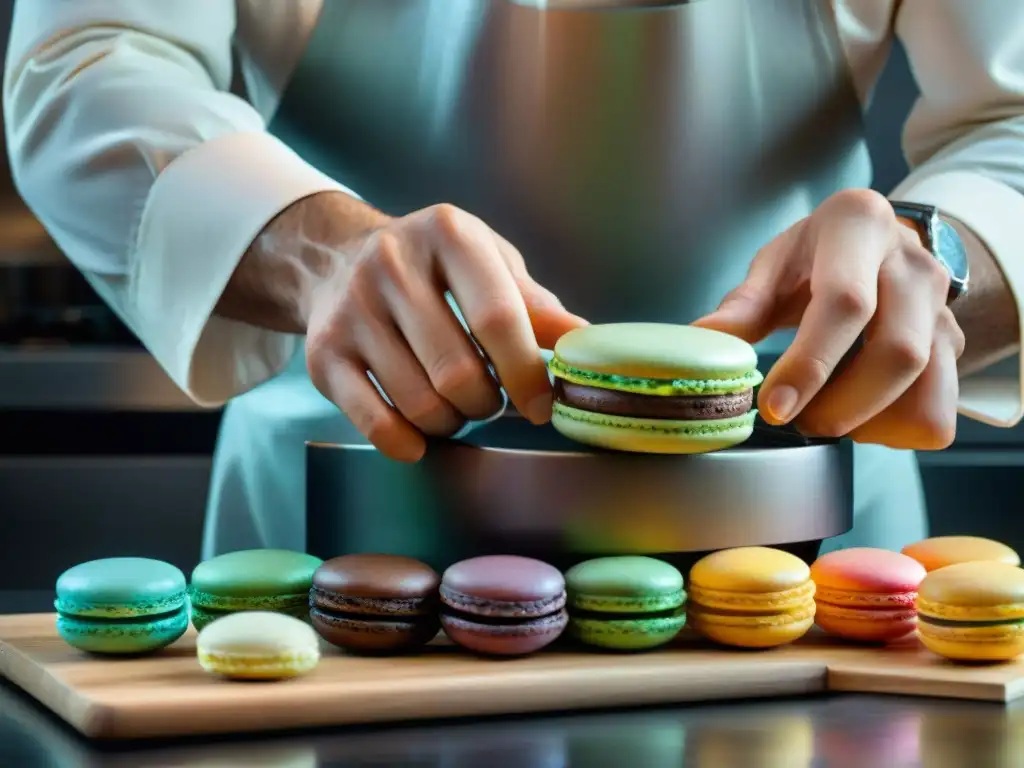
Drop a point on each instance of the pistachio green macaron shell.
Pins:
(656, 359)
(254, 579)
(628, 634)
(637, 435)
(625, 584)
(627, 603)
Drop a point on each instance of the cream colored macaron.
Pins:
(258, 645)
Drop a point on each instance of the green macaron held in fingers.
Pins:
(654, 388)
(276, 580)
(121, 605)
(628, 603)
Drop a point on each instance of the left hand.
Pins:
(850, 268)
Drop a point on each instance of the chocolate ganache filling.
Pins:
(682, 407)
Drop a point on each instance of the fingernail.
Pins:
(781, 402)
(538, 410)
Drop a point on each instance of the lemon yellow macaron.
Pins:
(973, 611)
(751, 597)
(258, 645)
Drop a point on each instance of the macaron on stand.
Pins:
(595, 546)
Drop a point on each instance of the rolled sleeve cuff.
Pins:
(992, 211)
(202, 214)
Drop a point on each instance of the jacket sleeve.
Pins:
(149, 174)
(964, 141)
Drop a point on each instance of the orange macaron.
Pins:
(866, 594)
(940, 551)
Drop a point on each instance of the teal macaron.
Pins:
(121, 605)
(627, 603)
(275, 580)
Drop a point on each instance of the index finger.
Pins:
(848, 253)
(495, 311)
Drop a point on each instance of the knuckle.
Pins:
(908, 354)
(814, 372)
(453, 373)
(866, 204)
(387, 255)
(448, 220)
(853, 302)
(742, 292)
(925, 263)
(424, 408)
(499, 318)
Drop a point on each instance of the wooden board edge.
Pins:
(483, 696)
(88, 717)
(901, 684)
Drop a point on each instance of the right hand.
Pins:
(384, 311)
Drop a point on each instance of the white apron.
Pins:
(651, 151)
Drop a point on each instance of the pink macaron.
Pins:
(866, 594)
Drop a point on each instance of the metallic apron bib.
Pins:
(637, 153)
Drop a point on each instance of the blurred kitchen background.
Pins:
(100, 455)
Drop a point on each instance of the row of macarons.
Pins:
(969, 592)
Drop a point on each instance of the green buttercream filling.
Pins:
(707, 428)
(667, 387)
(277, 603)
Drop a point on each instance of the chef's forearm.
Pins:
(274, 281)
(988, 313)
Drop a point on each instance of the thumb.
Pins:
(550, 320)
(746, 312)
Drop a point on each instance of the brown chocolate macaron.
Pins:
(375, 603)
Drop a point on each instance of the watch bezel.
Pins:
(939, 235)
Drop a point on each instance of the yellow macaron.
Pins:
(973, 611)
(751, 597)
(940, 551)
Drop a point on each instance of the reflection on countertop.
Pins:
(833, 732)
(843, 731)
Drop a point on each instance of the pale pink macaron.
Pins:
(866, 594)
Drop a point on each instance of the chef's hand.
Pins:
(383, 310)
(852, 267)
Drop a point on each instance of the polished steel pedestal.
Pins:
(513, 488)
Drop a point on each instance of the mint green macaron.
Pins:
(121, 605)
(627, 603)
(276, 580)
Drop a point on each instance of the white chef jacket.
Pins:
(172, 176)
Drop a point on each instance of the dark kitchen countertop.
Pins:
(821, 731)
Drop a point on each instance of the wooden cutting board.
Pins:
(168, 694)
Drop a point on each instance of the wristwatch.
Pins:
(939, 237)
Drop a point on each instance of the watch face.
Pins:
(950, 250)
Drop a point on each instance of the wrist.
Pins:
(326, 236)
(301, 249)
